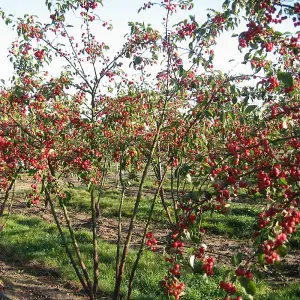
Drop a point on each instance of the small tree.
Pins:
(192, 122)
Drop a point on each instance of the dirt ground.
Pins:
(31, 281)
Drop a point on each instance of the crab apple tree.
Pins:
(216, 134)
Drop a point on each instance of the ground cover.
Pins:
(30, 243)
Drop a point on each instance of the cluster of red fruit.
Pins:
(169, 6)
(34, 198)
(171, 284)
(218, 19)
(4, 144)
(85, 14)
(208, 266)
(264, 180)
(177, 244)
(208, 263)
(184, 222)
(172, 287)
(273, 83)
(289, 220)
(200, 252)
(151, 242)
(270, 252)
(57, 90)
(25, 48)
(242, 43)
(39, 54)
(228, 287)
(244, 273)
(268, 46)
(175, 270)
(30, 31)
(254, 30)
(187, 30)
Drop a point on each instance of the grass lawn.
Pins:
(28, 239)
(238, 224)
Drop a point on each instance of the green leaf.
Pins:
(283, 250)
(186, 269)
(198, 267)
(206, 167)
(195, 239)
(181, 70)
(253, 45)
(237, 259)
(233, 7)
(91, 187)
(31, 172)
(283, 180)
(208, 114)
(194, 196)
(247, 56)
(261, 258)
(286, 79)
(250, 108)
(277, 229)
(28, 202)
(199, 158)
(155, 56)
(252, 288)
(248, 285)
(223, 117)
(137, 60)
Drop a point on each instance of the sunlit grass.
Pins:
(27, 239)
(237, 224)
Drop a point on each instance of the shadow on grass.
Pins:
(244, 211)
(28, 240)
(31, 240)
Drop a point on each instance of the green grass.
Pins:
(26, 239)
(109, 204)
(31, 239)
(238, 224)
(233, 226)
(288, 292)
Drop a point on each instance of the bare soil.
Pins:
(32, 282)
